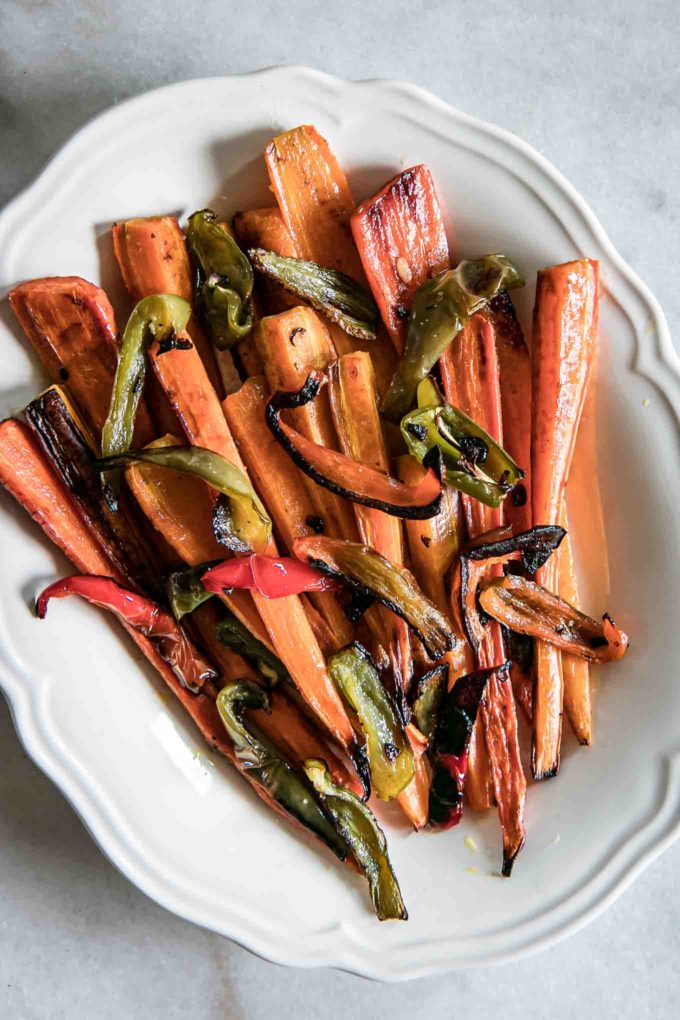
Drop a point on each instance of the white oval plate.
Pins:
(184, 827)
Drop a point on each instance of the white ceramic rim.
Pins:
(655, 359)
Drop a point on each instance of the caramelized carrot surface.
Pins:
(71, 325)
(402, 243)
(575, 671)
(281, 487)
(316, 203)
(292, 344)
(563, 349)
(153, 259)
(264, 228)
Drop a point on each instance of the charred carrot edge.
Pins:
(514, 367)
(280, 486)
(153, 259)
(402, 242)
(575, 671)
(264, 228)
(72, 328)
(30, 480)
(184, 380)
(316, 204)
(471, 382)
(292, 344)
(563, 349)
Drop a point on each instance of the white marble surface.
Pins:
(593, 85)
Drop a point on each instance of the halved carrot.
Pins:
(180, 508)
(514, 367)
(357, 423)
(402, 242)
(72, 328)
(264, 228)
(185, 382)
(575, 671)
(316, 203)
(471, 382)
(28, 477)
(292, 344)
(153, 259)
(563, 349)
(280, 486)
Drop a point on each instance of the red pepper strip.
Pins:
(273, 578)
(143, 615)
(344, 476)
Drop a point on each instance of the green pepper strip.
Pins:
(475, 463)
(249, 524)
(235, 635)
(358, 826)
(159, 316)
(338, 296)
(185, 591)
(441, 308)
(389, 750)
(429, 695)
(225, 280)
(286, 785)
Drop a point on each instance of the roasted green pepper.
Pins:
(429, 695)
(235, 635)
(358, 826)
(441, 307)
(389, 751)
(373, 577)
(475, 463)
(161, 317)
(248, 526)
(224, 280)
(338, 296)
(287, 785)
(185, 591)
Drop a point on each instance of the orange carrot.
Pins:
(72, 328)
(402, 243)
(471, 382)
(357, 424)
(292, 344)
(264, 228)
(575, 671)
(280, 486)
(563, 349)
(185, 382)
(316, 203)
(514, 367)
(153, 259)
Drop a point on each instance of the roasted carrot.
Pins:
(575, 671)
(402, 242)
(316, 203)
(180, 508)
(186, 384)
(563, 349)
(357, 423)
(153, 259)
(471, 382)
(72, 328)
(292, 344)
(264, 228)
(514, 368)
(280, 486)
